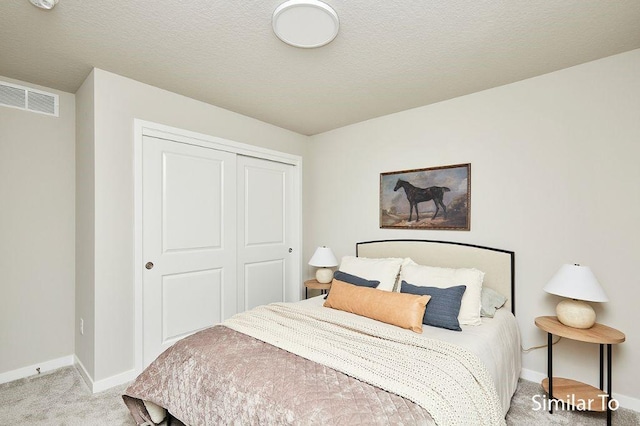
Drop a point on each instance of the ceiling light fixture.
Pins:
(305, 23)
(44, 4)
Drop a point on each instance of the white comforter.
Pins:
(496, 342)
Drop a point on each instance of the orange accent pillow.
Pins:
(401, 309)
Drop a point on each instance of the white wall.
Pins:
(85, 226)
(37, 187)
(554, 177)
(117, 101)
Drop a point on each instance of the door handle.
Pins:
(290, 250)
(149, 265)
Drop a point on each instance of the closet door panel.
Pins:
(201, 292)
(264, 281)
(189, 241)
(192, 212)
(264, 195)
(264, 204)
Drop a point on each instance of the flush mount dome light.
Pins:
(44, 4)
(305, 23)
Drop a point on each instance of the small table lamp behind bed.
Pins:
(324, 259)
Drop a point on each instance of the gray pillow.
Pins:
(443, 307)
(491, 301)
(353, 279)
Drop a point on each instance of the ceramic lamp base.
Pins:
(324, 275)
(575, 313)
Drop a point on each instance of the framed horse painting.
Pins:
(431, 198)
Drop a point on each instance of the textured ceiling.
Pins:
(389, 56)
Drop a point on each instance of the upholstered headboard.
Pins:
(498, 265)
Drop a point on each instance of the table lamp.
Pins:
(578, 284)
(323, 259)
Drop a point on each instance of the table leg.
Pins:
(608, 384)
(550, 369)
(601, 366)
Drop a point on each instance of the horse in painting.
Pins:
(417, 195)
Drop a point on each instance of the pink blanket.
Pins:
(220, 376)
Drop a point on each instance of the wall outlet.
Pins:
(81, 326)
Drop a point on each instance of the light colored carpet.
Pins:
(62, 398)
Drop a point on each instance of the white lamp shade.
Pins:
(323, 258)
(576, 282)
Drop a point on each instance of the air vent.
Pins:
(28, 99)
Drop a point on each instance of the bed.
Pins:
(304, 363)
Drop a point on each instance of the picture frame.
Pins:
(429, 198)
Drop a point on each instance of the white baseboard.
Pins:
(112, 381)
(104, 384)
(83, 373)
(32, 370)
(625, 401)
(532, 376)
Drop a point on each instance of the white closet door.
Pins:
(189, 241)
(265, 222)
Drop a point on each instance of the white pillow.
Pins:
(431, 276)
(406, 261)
(384, 270)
